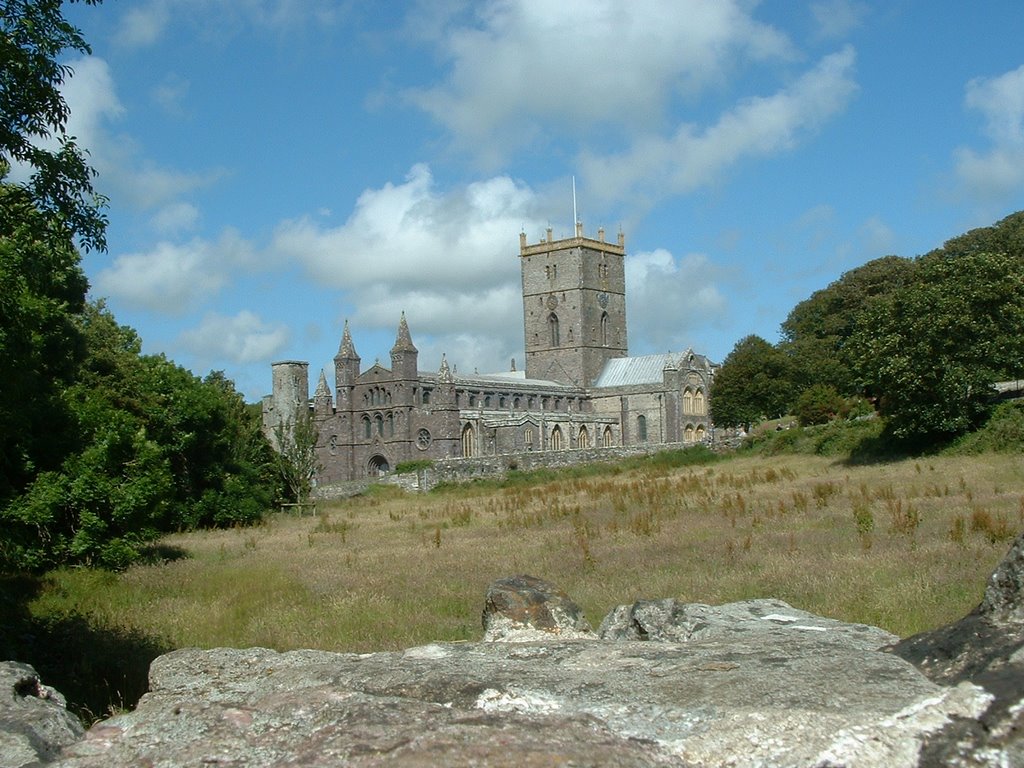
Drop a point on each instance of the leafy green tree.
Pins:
(297, 461)
(817, 329)
(42, 288)
(753, 383)
(153, 448)
(34, 36)
(931, 351)
(818, 404)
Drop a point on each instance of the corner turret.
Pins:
(346, 369)
(404, 355)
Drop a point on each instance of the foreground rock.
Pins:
(522, 608)
(34, 721)
(986, 647)
(779, 692)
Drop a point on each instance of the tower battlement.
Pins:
(549, 243)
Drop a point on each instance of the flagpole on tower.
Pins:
(575, 218)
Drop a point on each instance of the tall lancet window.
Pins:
(604, 329)
(553, 328)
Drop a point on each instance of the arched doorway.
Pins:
(378, 466)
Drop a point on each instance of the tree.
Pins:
(296, 440)
(753, 383)
(816, 331)
(931, 351)
(818, 404)
(33, 114)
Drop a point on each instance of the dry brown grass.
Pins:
(391, 570)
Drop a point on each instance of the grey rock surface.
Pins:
(672, 621)
(985, 648)
(34, 720)
(784, 697)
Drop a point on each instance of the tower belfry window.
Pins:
(604, 329)
(553, 328)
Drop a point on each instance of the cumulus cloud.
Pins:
(837, 18)
(994, 173)
(449, 259)
(241, 338)
(695, 157)
(142, 25)
(175, 218)
(521, 65)
(670, 297)
(174, 278)
(124, 174)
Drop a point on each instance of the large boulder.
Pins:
(34, 720)
(525, 608)
(985, 648)
(783, 696)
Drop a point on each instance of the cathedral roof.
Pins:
(645, 369)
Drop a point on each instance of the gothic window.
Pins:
(688, 402)
(553, 329)
(515, 402)
(468, 441)
(487, 401)
(423, 439)
(426, 397)
(379, 421)
(688, 434)
(584, 439)
(472, 401)
(501, 401)
(607, 439)
(528, 438)
(641, 428)
(332, 445)
(698, 402)
(366, 426)
(556, 439)
(604, 329)
(391, 425)
(700, 433)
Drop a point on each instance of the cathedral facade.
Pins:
(580, 388)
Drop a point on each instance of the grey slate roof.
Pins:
(645, 369)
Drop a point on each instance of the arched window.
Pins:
(528, 438)
(556, 439)
(604, 329)
(687, 401)
(701, 434)
(641, 428)
(426, 397)
(332, 444)
(584, 438)
(379, 421)
(698, 402)
(391, 425)
(688, 434)
(606, 441)
(468, 441)
(515, 402)
(487, 401)
(366, 427)
(553, 329)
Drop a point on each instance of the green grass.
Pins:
(906, 545)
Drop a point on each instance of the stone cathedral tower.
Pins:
(574, 306)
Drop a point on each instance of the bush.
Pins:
(818, 404)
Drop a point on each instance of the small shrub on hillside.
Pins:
(818, 404)
(1002, 433)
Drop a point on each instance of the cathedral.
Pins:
(580, 388)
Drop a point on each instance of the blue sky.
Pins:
(275, 167)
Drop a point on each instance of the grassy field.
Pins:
(904, 545)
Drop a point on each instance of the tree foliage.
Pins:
(931, 350)
(816, 331)
(753, 383)
(297, 463)
(153, 448)
(34, 36)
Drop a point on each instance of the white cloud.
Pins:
(669, 298)
(174, 278)
(692, 158)
(837, 18)
(142, 25)
(242, 338)
(450, 260)
(524, 64)
(170, 95)
(993, 174)
(124, 174)
(175, 218)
